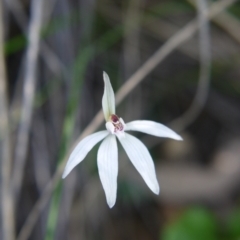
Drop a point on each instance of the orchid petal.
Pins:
(82, 149)
(141, 159)
(108, 168)
(108, 100)
(152, 128)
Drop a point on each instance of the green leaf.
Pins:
(195, 223)
(233, 225)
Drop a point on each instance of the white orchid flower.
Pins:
(107, 157)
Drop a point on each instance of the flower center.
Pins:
(117, 123)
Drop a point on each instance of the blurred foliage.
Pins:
(200, 223)
(170, 7)
(15, 44)
(195, 223)
(128, 193)
(232, 231)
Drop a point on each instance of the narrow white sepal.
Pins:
(107, 160)
(152, 128)
(141, 159)
(108, 100)
(82, 149)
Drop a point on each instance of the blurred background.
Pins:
(179, 63)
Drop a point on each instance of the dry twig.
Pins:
(204, 78)
(227, 22)
(28, 94)
(50, 58)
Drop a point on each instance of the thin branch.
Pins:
(28, 94)
(180, 37)
(50, 58)
(8, 227)
(204, 78)
(227, 22)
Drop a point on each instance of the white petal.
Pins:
(152, 128)
(82, 149)
(141, 159)
(108, 100)
(108, 168)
